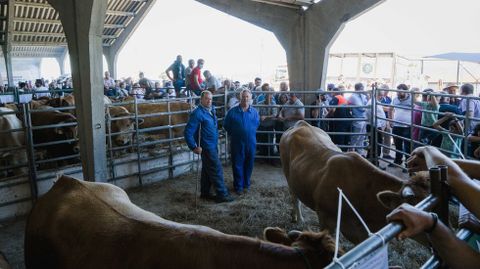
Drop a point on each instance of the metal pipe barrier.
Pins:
(390, 231)
(269, 137)
(437, 134)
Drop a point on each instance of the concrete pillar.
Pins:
(8, 64)
(83, 23)
(111, 56)
(38, 68)
(7, 46)
(61, 62)
(306, 35)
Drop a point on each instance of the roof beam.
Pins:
(54, 34)
(280, 4)
(42, 44)
(48, 6)
(58, 22)
(132, 26)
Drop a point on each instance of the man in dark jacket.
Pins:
(204, 120)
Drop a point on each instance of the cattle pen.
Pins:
(153, 153)
(151, 157)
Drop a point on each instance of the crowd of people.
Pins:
(41, 88)
(346, 116)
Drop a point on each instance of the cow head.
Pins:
(318, 248)
(68, 100)
(122, 125)
(69, 132)
(412, 192)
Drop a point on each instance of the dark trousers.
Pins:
(400, 143)
(279, 127)
(379, 138)
(243, 157)
(265, 150)
(428, 136)
(342, 139)
(212, 173)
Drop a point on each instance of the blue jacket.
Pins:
(207, 120)
(242, 126)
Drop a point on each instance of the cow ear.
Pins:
(389, 199)
(276, 235)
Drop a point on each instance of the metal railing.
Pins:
(436, 202)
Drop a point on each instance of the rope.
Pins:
(456, 147)
(339, 216)
(356, 213)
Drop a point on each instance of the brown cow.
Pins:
(121, 125)
(9, 138)
(81, 224)
(315, 167)
(60, 133)
(162, 120)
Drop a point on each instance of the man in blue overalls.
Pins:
(204, 120)
(241, 124)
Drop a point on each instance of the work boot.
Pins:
(223, 199)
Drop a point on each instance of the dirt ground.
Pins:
(266, 204)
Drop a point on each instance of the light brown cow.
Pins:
(121, 125)
(315, 167)
(11, 136)
(94, 225)
(177, 117)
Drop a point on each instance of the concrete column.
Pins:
(38, 67)
(7, 46)
(8, 64)
(83, 22)
(111, 56)
(306, 35)
(61, 62)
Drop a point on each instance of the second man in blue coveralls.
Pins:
(204, 120)
(241, 124)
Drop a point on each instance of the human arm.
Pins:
(476, 153)
(459, 181)
(453, 251)
(473, 138)
(227, 122)
(168, 72)
(299, 114)
(191, 128)
(196, 81)
(438, 123)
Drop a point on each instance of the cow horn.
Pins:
(407, 192)
(294, 234)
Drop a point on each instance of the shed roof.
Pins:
(36, 30)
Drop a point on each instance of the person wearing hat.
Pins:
(453, 90)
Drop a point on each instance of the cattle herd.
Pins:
(53, 126)
(60, 232)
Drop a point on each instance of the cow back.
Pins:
(10, 122)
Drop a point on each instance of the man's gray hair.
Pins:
(245, 90)
(205, 92)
